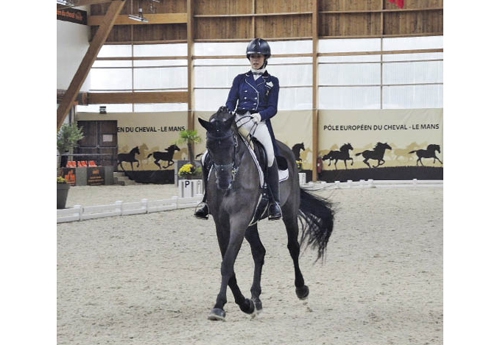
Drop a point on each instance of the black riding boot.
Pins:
(202, 209)
(274, 192)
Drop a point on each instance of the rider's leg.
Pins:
(262, 134)
(274, 183)
(202, 209)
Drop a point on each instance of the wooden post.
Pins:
(315, 90)
(81, 74)
(190, 63)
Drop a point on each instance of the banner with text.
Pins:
(392, 140)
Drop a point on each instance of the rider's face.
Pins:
(256, 60)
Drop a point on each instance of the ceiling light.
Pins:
(66, 2)
(139, 17)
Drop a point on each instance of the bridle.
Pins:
(220, 139)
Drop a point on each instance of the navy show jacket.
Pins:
(257, 96)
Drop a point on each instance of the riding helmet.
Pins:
(259, 46)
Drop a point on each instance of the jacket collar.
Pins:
(250, 79)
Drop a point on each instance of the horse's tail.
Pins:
(150, 155)
(316, 216)
(413, 151)
(359, 153)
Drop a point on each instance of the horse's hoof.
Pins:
(248, 307)
(302, 292)
(217, 314)
(258, 305)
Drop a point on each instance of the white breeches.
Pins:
(260, 132)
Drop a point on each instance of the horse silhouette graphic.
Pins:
(128, 157)
(165, 156)
(376, 154)
(342, 154)
(296, 151)
(430, 152)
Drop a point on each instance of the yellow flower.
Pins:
(189, 169)
(186, 169)
(61, 179)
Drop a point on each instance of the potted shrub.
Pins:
(190, 137)
(190, 170)
(67, 139)
(62, 192)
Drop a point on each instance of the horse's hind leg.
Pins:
(258, 254)
(292, 230)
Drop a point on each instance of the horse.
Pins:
(403, 153)
(234, 191)
(165, 156)
(342, 154)
(377, 154)
(128, 157)
(430, 152)
(296, 151)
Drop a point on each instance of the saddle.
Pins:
(260, 158)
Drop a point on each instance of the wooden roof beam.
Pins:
(83, 70)
(137, 97)
(153, 18)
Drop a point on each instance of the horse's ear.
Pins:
(222, 109)
(229, 122)
(205, 124)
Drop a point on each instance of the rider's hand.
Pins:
(256, 117)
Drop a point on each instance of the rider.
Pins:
(254, 99)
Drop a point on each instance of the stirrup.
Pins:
(202, 211)
(275, 206)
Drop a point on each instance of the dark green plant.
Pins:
(190, 137)
(68, 137)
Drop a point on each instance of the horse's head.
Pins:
(382, 146)
(346, 147)
(173, 148)
(434, 147)
(221, 145)
(135, 150)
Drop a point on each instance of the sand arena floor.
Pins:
(152, 279)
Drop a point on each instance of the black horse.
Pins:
(296, 151)
(234, 191)
(128, 157)
(430, 152)
(377, 154)
(165, 156)
(342, 154)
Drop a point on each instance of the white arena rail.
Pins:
(120, 208)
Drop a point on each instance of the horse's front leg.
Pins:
(258, 254)
(229, 251)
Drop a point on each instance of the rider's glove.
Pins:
(256, 117)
